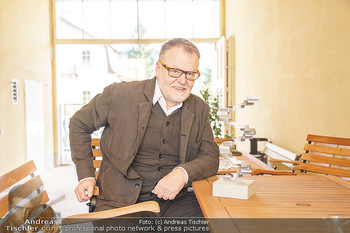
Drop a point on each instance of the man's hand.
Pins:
(170, 185)
(85, 189)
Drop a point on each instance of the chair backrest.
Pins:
(326, 155)
(23, 201)
(96, 151)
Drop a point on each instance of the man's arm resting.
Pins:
(170, 185)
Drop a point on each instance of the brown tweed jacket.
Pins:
(124, 110)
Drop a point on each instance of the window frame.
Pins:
(137, 40)
(55, 41)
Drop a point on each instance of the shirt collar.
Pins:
(157, 93)
(158, 97)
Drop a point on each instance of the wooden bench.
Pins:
(24, 202)
(23, 193)
(323, 155)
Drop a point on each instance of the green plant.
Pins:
(213, 101)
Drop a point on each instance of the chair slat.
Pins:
(17, 174)
(327, 149)
(331, 140)
(322, 169)
(96, 152)
(96, 191)
(272, 172)
(97, 163)
(325, 159)
(3, 202)
(95, 142)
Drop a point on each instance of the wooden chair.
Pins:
(96, 151)
(144, 206)
(323, 155)
(24, 202)
(23, 192)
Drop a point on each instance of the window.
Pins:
(86, 96)
(99, 42)
(86, 57)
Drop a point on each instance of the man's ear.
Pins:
(157, 68)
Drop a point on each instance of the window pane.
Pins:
(179, 18)
(69, 20)
(117, 19)
(152, 19)
(207, 66)
(123, 19)
(135, 62)
(206, 18)
(96, 16)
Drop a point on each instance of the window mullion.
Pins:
(138, 20)
(83, 25)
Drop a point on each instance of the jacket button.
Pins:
(137, 185)
(160, 156)
(167, 123)
(159, 168)
(164, 141)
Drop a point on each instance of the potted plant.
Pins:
(213, 101)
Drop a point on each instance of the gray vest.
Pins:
(159, 151)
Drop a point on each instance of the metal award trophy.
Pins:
(232, 185)
(226, 150)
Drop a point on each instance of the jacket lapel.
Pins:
(145, 110)
(187, 117)
(144, 115)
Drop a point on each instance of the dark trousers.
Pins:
(184, 206)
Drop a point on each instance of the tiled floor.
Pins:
(60, 183)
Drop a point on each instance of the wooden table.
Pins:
(321, 202)
(305, 196)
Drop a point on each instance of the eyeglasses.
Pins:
(176, 73)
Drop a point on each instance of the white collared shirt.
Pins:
(158, 97)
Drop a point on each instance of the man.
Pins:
(157, 138)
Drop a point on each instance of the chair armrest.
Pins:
(271, 172)
(87, 217)
(93, 200)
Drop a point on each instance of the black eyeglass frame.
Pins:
(197, 73)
